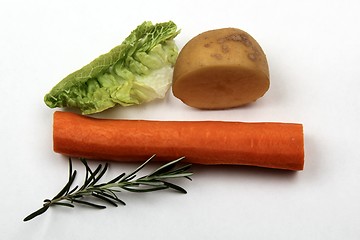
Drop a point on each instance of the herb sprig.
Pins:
(107, 193)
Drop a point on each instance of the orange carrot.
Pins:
(271, 145)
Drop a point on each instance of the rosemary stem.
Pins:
(107, 192)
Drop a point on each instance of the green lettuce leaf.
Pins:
(137, 71)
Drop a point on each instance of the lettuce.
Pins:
(137, 71)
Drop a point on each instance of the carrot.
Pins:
(271, 145)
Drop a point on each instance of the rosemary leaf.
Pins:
(150, 183)
(73, 190)
(88, 203)
(175, 187)
(70, 174)
(114, 197)
(99, 176)
(143, 189)
(67, 186)
(132, 175)
(37, 213)
(117, 178)
(128, 178)
(63, 204)
(180, 169)
(166, 168)
(89, 180)
(177, 175)
(105, 199)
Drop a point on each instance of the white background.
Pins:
(313, 49)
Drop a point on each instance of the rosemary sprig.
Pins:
(107, 192)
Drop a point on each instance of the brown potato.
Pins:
(219, 69)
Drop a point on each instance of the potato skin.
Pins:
(219, 69)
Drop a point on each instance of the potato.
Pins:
(219, 69)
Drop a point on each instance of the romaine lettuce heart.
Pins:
(137, 71)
